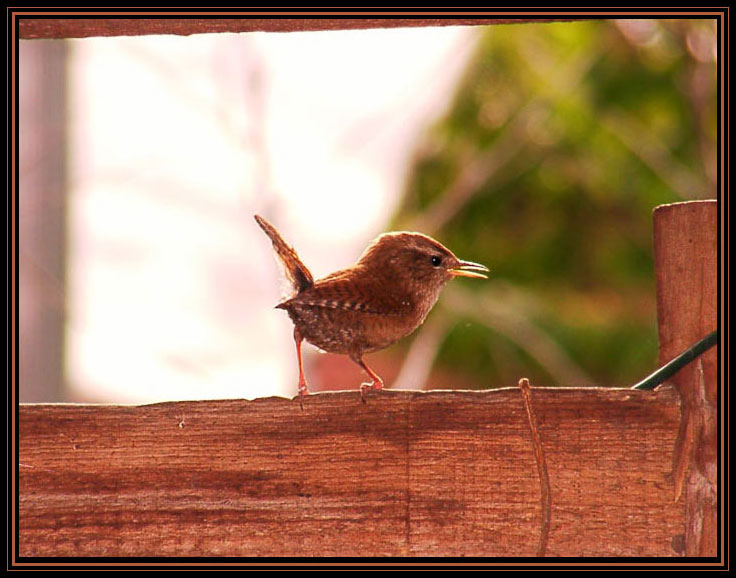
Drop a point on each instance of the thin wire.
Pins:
(669, 369)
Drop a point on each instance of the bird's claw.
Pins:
(375, 385)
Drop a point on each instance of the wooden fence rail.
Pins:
(405, 474)
(34, 27)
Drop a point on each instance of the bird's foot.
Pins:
(375, 385)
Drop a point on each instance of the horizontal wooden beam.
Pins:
(405, 474)
(32, 26)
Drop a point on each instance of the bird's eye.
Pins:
(436, 261)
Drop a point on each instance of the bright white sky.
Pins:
(178, 141)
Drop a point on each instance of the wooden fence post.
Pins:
(686, 262)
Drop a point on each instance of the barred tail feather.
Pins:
(296, 272)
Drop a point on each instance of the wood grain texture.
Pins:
(405, 474)
(59, 27)
(686, 253)
(686, 262)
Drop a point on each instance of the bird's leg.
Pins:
(376, 381)
(303, 388)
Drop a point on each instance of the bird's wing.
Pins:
(341, 291)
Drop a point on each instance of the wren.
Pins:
(385, 296)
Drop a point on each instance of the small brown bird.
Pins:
(383, 297)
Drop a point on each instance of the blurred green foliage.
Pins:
(560, 141)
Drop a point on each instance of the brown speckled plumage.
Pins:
(383, 297)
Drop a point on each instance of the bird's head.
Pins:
(416, 261)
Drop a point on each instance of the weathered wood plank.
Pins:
(686, 261)
(59, 27)
(405, 474)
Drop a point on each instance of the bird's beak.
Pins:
(469, 269)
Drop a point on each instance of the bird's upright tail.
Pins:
(296, 272)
